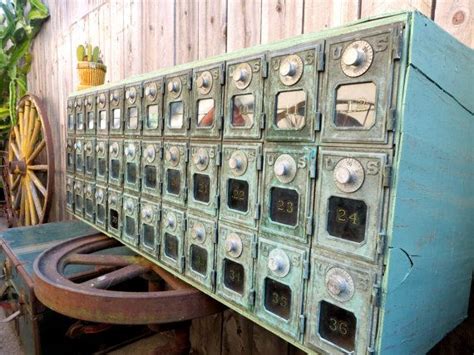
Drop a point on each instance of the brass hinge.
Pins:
(185, 193)
(217, 202)
(161, 153)
(312, 163)
(397, 43)
(213, 277)
(376, 295)
(219, 156)
(181, 263)
(257, 212)
(259, 161)
(302, 323)
(381, 241)
(264, 67)
(262, 120)
(214, 240)
(309, 225)
(222, 74)
(391, 119)
(252, 297)
(186, 154)
(190, 81)
(317, 121)
(306, 269)
(321, 58)
(254, 245)
(387, 175)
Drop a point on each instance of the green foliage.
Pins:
(20, 21)
(88, 54)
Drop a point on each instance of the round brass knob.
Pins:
(288, 68)
(199, 232)
(174, 86)
(130, 150)
(150, 91)
(285, 168)
(353, 56)
(279, 262)
(233, 245)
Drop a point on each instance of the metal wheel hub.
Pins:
(96, 294)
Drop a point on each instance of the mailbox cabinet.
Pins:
(314, 185)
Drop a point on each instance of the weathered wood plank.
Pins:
(77, 31)
(377, 7)
(281, 19)
(205, 335)
(322, 14)
(132, 15)
(158, 35)
(187, 31)
(264, 342)
(212, 15)
(116, 71)
(243, 23)
(457, 18)
(105, 43)
(236, 334)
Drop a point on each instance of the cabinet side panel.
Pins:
(431, 247)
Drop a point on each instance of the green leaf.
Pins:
(40, 7)
(12, 100)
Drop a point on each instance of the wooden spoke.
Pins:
(37, 182)
(35, 153)
(38, 167)
(30, 164)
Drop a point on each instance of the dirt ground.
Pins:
(9, 343)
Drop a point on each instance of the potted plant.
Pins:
(90, 66)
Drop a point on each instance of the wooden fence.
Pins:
(141, 36)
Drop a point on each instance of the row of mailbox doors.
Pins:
(329, 308)
(276, 92)
(271, 189)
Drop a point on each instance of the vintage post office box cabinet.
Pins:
(236, 252)
(132, 156)
(244, 117)
(89, 157)
(102, 108)
(207, 107)
(351, 200)
(89, 201)
(200, 241)
(178, 99)
(342, 297)
(358, 80)
(133, 109)
(79, 111)
(116, 107)
(174, 172)
(70, 155)
(79, 197)
(116, 162)
(102, 159)
(152, 110)
(281, 270)
(70, 193)
(70, 116)
(114, 214)
(90, 118)
(150, 227)
(173, 224)
(131, 210)
(203, 178)
(79, 156)
(288, 187)
(291, 94)
(384, 104)
(239, 187)
(151, 169)
(101, 211)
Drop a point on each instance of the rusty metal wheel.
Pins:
(97, 294)
(30, 164)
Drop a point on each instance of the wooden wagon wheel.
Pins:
(30, 163)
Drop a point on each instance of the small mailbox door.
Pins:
(131, 210)
(340, 305)
(102, 162)
(244, 118)
(116, 108)
(70, 193)
(101, 211)
(279, 285)
(150, 227)
(152, 110)
(102, 119)
(70, 155)
(201, 238)
(236, 253)
(351, 198)
(79, 112)
(151, 169)
(133, 109)
(203, 177)
(70, 116)
(291, 94)
(206, 120)
(79, 156)
(240, 180)
(132, 156)
(89, 158)
(116, 162)
(172, 237)
(89, 201)
(79, 197)
(177, 105)
(174, 172)
(114, 214)
(359, 81)
(289, 174)
(90, 117)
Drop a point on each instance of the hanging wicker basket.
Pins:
(90, 74)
